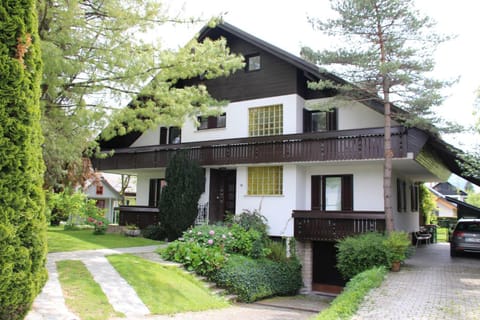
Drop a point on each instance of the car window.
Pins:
(469, 226)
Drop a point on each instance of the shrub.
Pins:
(154, 232)
(179, 199)
(195, 257)
(346, 304)
(278, 251)
(22, 201)
(360, 253)
(254, 279)
(210, 236)
(397, 244)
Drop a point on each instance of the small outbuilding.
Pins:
(106, 197)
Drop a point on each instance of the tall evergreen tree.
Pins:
(387, 55)
(98, 56)
(179, 199)
(22, 221)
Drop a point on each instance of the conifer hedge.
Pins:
(179, 199)
(22, 221)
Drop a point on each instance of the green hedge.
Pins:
(22, 201)
(252, 280)
(346, 304)
(362, 252)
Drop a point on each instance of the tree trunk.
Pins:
(387, 166)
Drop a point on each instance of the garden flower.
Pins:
(212, 232)
(91, 220)
(224, 236)
(99, 223)
(210, 241)
(199, 233)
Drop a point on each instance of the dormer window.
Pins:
(253, 62)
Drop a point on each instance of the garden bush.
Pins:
(154, 232)
(195, 257)
(254, 279)
(346, 304)
(360, 253)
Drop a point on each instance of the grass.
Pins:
(165, 290)
(83, 295)
(346, 304)
(60, 240)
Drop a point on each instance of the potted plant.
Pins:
(132, 230)
(397, 244)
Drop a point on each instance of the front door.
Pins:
(326, 277)
(222, 193)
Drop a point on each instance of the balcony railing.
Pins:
(322, 146)
(333, 226)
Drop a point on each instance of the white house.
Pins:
(315, 175)
(106, 197)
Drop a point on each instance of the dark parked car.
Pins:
(465, 237)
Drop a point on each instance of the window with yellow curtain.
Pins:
(265, 121)
(265, 180)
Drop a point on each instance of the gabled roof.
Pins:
(448, 189)
(311, 70)
(447, 153)
(465, 210)
(107, 185)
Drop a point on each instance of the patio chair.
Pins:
(419, 236)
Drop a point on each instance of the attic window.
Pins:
(99, 189)
(253, 62)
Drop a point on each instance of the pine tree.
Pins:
(387, 56)
(179, 199)
(22, 221)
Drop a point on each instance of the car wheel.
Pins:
(453, 253)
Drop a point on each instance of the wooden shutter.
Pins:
(332, 120)
(307, 121)
(316, 196)
(163, 135)
(347, 193)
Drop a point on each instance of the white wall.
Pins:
(148, 138)
(407, 221)
(445, 211)
(367, 183)
(277, 209)
(143, 184)
(351, 115)
(237, 119)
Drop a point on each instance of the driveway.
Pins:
(430, 285)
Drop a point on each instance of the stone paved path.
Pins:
(430, 285)
(50, 304)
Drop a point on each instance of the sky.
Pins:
(284, 24)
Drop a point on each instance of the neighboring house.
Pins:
(106, 197)
(313, 174)
(444, 208)
(465, 210)
(449, 190)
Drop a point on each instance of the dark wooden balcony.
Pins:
(141, 216)
(333, 225)
(321, 146)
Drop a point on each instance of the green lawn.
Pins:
(60, 240)
(83, 295)
(165, 290)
